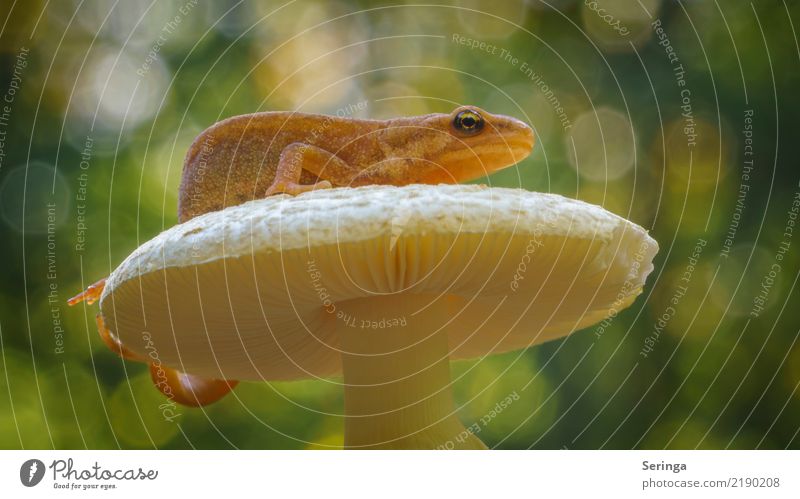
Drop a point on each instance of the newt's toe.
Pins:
(90, 295)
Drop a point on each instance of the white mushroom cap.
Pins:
(253, 291)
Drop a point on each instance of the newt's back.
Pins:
(235, 160)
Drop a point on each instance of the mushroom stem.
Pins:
(395, 361)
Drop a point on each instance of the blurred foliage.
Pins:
(717, 376)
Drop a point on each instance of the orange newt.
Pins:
(257, 155)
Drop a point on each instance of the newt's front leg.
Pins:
(297, 157)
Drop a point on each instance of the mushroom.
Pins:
(381, 285)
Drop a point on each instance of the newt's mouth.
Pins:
(518, 138)
(515, 143)
(520, 148)
(484, 159)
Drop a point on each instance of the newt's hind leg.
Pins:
(183, 388)
(113, 342)
(297, 157)
(90, 295)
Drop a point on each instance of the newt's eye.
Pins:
(468, 122)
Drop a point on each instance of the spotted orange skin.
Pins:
(237, 160)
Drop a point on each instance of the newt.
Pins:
(262, 154)
(255, 155)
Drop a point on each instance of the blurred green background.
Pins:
(101, 100)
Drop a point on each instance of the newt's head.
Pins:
(467, 143)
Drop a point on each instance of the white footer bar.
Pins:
(381, 474)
